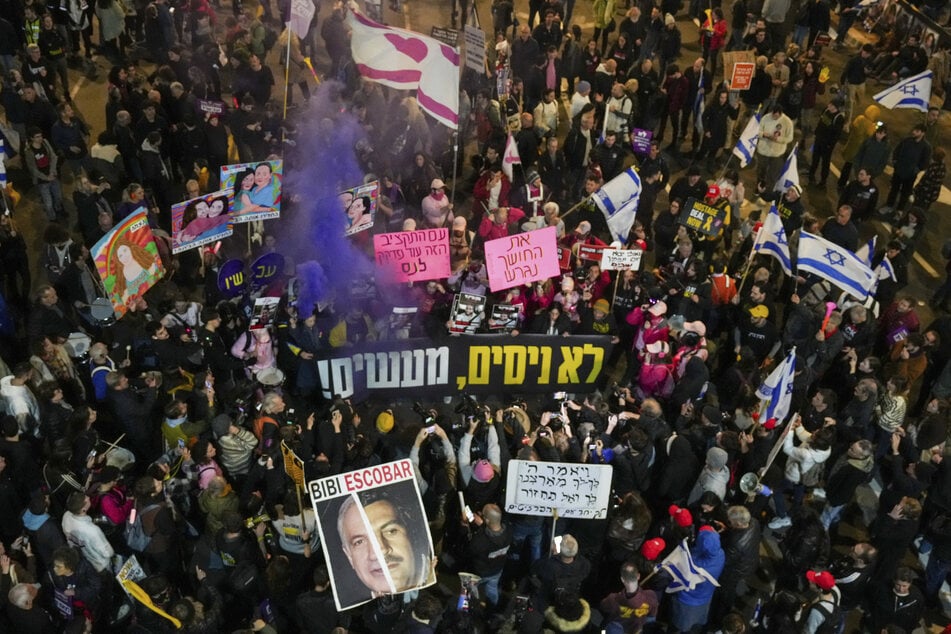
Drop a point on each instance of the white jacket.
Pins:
(803, 457)
(21, 404)
(83, 533)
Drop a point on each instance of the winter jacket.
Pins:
(846, 475)
(85, 535)
(235, 451)
(741, 547)
(801, 458)
(910, 157)
(707, 554)
(929, 187)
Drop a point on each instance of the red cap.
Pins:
(713, 191)
(652, 548)
(770, 424)
(707, 527)
(681, 516)
(822, 579)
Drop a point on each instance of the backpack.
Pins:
(135, 536)
(832, 617)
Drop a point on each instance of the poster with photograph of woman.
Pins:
(128, 261)
(263, 313)
(201, 220)
(359, 206)
(374, 531)
(257, 189)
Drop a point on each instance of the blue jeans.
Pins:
(491, 587)
(800, 35)
(52, 196)
(532, 532)
(831, 515)
(935, 574)
(779, 498)
(685, 617)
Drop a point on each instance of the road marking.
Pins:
(76, 87)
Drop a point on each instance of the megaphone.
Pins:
(750, 485)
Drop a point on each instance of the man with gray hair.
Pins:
(740, 543)
(24, 613)
(564, 569)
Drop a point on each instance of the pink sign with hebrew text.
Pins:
(522, 258)
(413, 256)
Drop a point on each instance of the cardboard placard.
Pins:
(621, 259)
(641, 141)
(522, 258)
(475, 48)
(413, 256)
(257, 189)
(202, 220)
(591, 252)
(742, 76)
(128, 261)
(368, 516)
(701, 217)
(573, 489)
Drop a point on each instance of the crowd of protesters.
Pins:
(162, 439)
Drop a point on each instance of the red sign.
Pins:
(742, 76)
(564, 258)
(591, 252)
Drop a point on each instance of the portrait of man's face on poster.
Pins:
(382, 543)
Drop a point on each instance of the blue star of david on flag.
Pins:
(771, 240)
(831, 262)
(913, 92)
(834, 257)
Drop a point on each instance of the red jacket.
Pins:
(718, 36)
(480, 193)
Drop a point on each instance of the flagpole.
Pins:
(287, 65)
(455, 163)
(617, 278)
(576, 205)
(749, 263)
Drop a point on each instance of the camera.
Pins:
(427, 416)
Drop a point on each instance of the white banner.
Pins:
(573, 489)
(621, 259)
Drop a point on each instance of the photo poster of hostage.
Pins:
(374, 531)
(257, 189)
(262, 315)
(468, 312)
(128, 261)
(359, 206)
(201, 220)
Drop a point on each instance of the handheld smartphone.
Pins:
(561, 396)
(181, 443)
(132, 515)
(470, 516)
(431, 429)
(557, 541)
(92, 454)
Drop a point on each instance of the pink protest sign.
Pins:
(413, 256)
(522, 258)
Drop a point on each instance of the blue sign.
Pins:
(231, 278)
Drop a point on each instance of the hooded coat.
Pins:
(707, 554)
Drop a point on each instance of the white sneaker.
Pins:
(780, 522)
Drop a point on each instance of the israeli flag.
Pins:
(867, 251)
(771, 240)
(914, 92)
(686, 574)
(746, 146)
(776, 391)
(790, 173)
(884, 271)
(835, 264)
(617, 199)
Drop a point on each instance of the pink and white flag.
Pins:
(510, 157)
(302, 12)
(408, 61)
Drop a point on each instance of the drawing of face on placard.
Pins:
(257, 189)
(359, 207)
(128, 261)
(201, 221)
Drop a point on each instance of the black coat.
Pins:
(741, 546)
(716, 121)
